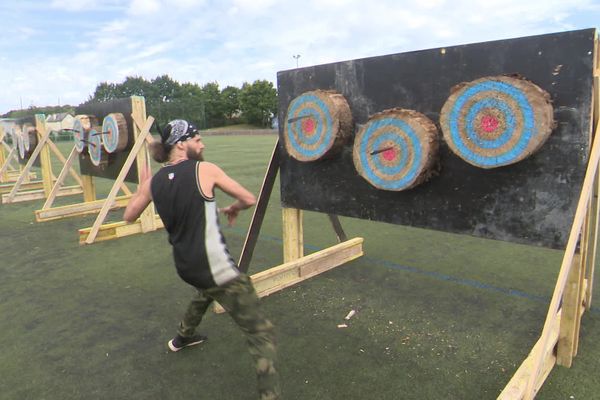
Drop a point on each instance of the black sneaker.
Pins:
(179, 342)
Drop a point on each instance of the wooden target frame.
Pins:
(25, 190)
(559, 339)
(93, 205)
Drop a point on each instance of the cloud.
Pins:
(73, 45)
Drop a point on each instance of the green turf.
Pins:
(435, 315)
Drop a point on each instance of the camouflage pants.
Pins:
(239, 299)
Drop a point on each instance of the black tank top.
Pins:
(190, 218)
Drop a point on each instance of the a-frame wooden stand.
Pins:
(90, 205)
(296, 266)
(572, 296)
(149, 220)
(9, 173)
(22, 190)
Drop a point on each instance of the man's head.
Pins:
(179, 137)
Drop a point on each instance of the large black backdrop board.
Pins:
(115, 160)
(531, 202)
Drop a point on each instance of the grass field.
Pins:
(439, 316)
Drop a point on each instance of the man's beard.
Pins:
(192, 155)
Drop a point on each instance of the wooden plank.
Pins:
(31, 185)
(516, 387)
(116, 230)
(60, 180)
(74, 210)
(120, 179)
(293, 237)
(39, 194)
(569, 252)
(293, 272)
(260, 210)
(571, 313)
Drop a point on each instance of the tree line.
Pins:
(207, 106)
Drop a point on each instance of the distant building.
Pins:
(58, 122)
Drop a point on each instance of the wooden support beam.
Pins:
(571, 314)
(298, 270)
(116, 230)
(260, 210)
(45, 161)
(75, 210)
(89, 188)
(293, 236)
(31, 185)
(39, 194)
(516, 387)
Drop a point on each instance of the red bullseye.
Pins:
(308, 126)
(390, 154)
(489, 123)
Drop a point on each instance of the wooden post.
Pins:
(138, 114)
(60, 180)
(593, 244)
(46, 162)
(293, 237)
(89, 187)
(570, 315)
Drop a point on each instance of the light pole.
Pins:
(297, 56)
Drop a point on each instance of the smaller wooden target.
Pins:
(81, 126)
(26, 131)
(317, 125)
(19, 142)
(114, 132)
(97, 154)
(495, 121)
(396, 149)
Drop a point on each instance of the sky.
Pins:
(55, 52)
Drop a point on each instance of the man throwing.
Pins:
(183, 193)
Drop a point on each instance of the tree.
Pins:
(258, 102)
(230, 98)
(213, 104)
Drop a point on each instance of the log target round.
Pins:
(94, 146)
(114, 132)
(317, 125)
(495, 121)
(396, 149)
(81, 126)
(26, 131)
(19, 141)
